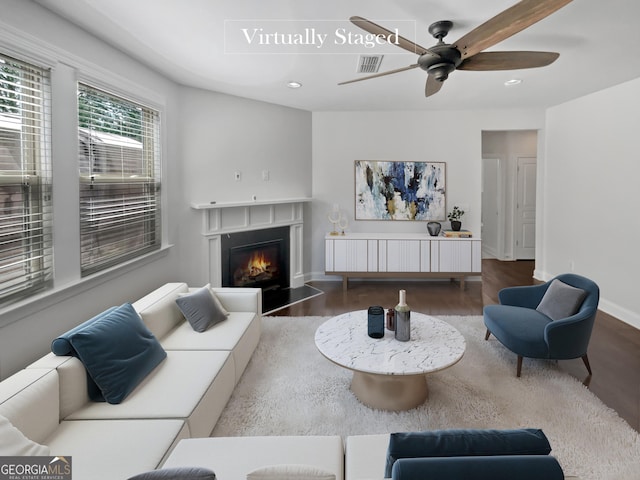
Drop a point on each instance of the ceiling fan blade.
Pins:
(508, 60)
(376, 29)
(389, 72)
(433, 86)
(507, 23)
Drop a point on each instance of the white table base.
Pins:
(390, 392)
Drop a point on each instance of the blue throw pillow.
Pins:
(201, 308)
(61, 345)
(503, 467)
(457, 443)
(118, 351)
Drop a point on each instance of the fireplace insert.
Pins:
(258, 258)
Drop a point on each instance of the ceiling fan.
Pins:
(467, 53)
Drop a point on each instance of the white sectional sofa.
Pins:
(165, 422)
(181, 398)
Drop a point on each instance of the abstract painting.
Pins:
(398, 190)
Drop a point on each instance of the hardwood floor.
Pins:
(614, 350)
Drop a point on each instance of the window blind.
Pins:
(119, 165)
(26, 252)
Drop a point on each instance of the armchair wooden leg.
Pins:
(486, 335)
(585, 359)
(519, 368)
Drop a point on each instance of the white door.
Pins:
(525, 214)
(490, 207)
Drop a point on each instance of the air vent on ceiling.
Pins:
(369, 63)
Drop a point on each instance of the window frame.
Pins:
(32, 249)
(148, 180)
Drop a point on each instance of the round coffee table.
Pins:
(389, 374)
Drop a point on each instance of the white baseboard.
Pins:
(623, 314)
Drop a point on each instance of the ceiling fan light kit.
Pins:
(467, 53)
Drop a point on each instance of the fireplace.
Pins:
(272, 227)
(257, 258)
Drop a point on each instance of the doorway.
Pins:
(509, 166)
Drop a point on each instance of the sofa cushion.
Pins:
(461, 442)
(62, 346)
(29, 400)
(365, 455)
(181, 473)
(293, 471)
(158, 309)
(172, 390)
(239, 334)
(14, 443)
(223, 336)
(72, 378)
(201, 308)
(118, 352)
(561, 300)
(116, 449)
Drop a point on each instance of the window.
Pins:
(26, 258)
(119, 161)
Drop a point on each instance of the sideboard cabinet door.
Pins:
(402, 255)
(348, 255)
(454, 256)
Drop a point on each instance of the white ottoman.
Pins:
(231, 458)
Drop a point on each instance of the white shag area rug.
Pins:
(289, 388)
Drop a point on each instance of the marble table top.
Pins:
(434, 345)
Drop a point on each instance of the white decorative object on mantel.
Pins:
(222, 218)
(337, 219)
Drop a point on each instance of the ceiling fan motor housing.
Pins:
(441, 65)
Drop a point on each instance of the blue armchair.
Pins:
(552, 320)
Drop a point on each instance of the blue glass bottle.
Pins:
(375, 322)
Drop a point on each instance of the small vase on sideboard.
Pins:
(434, 228)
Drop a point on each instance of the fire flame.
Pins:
(257, 264)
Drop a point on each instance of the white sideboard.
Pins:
(416, 255)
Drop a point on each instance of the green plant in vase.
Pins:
(454, 217)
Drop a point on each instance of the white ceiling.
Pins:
(186, 41)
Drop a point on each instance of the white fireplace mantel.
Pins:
(219, 205)
(224, 218)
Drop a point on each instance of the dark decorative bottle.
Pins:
(391, 319)
(403, 318)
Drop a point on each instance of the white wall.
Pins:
(221, 134)
(207, 137)
(453, 137)
(27, 328)
(590, 223)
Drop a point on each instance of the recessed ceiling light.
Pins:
(294, 84)
(513, 81)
